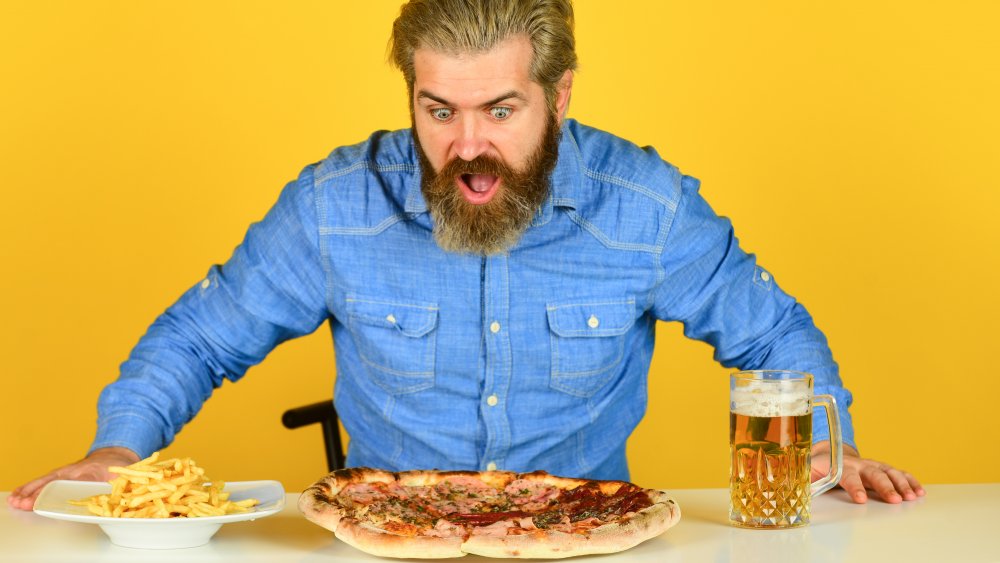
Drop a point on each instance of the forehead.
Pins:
(470, 78)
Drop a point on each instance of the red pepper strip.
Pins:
(485, 518)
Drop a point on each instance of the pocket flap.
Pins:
(410, 319)
(599, 318)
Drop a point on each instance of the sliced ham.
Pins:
(564, 525)
(364, 493)
(495, 529)
(445, 529)
(530, 494)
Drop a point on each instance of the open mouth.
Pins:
(478, 188)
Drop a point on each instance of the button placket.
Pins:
(496, 294)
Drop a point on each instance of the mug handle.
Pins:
(823, 485)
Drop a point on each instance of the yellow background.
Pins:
(854, 145)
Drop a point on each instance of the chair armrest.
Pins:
(309, 414)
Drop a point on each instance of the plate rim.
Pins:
(51, 487)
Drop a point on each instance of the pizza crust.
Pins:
(315, 503)
(608, 538)
(379, 542)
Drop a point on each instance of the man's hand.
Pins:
(94, 467)
(890, 484)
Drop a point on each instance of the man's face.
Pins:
(487, 144)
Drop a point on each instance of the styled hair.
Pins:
(459, 27)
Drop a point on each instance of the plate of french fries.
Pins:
(160, 504)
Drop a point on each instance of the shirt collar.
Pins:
(565, 180)
(415, 203)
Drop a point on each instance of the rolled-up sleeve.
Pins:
(725, 298)
(272, 289)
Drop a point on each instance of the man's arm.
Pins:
(726, 299)
(272, 289)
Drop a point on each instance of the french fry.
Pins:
(171, 488)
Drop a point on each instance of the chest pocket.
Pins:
(396, 341)
(588, 342)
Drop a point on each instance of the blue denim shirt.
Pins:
(534, 359)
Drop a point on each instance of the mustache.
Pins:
(482, 164)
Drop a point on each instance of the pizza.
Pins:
(435, 514)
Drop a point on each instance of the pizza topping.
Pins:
(365, 493)
(587, 501)
(445, 529)
(401, 528)
(406, 511)
(464, 505)
(546, 519)
(484, 518)
(498, 528)
(586, 524)
(531, 494)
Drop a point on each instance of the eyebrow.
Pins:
(494, 101)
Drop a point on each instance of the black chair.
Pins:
(324, 414)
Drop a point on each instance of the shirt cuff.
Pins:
(131, 431)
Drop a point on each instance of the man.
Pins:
(492, 277)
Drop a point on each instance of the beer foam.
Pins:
(765, 399)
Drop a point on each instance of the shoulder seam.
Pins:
(365, 164)
(621, 182)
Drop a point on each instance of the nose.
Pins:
(471, 141)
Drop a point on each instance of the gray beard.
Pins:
(496, 226)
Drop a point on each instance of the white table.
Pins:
(952, 523)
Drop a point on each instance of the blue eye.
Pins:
(441, 114)
(500, 113)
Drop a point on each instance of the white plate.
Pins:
(155, 533)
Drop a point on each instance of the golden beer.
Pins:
(770, 444)
(770, 470)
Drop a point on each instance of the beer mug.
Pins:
(770, 441)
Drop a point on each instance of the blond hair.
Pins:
(476, 26)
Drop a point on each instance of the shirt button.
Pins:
(494, 327)
(592, 322)
(765, 276)
(206, 283)
(492, 400)
(391, 319)
(491, 466)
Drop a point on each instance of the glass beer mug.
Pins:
(770, 440)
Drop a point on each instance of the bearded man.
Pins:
(492, 277)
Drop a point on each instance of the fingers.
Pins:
(901, 484)
(94, 467)
(851, 482)
(862, 477)
(892, 485)
(915, 485)
(23, 497)
(877, 478)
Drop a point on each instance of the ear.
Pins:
(563, 91)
